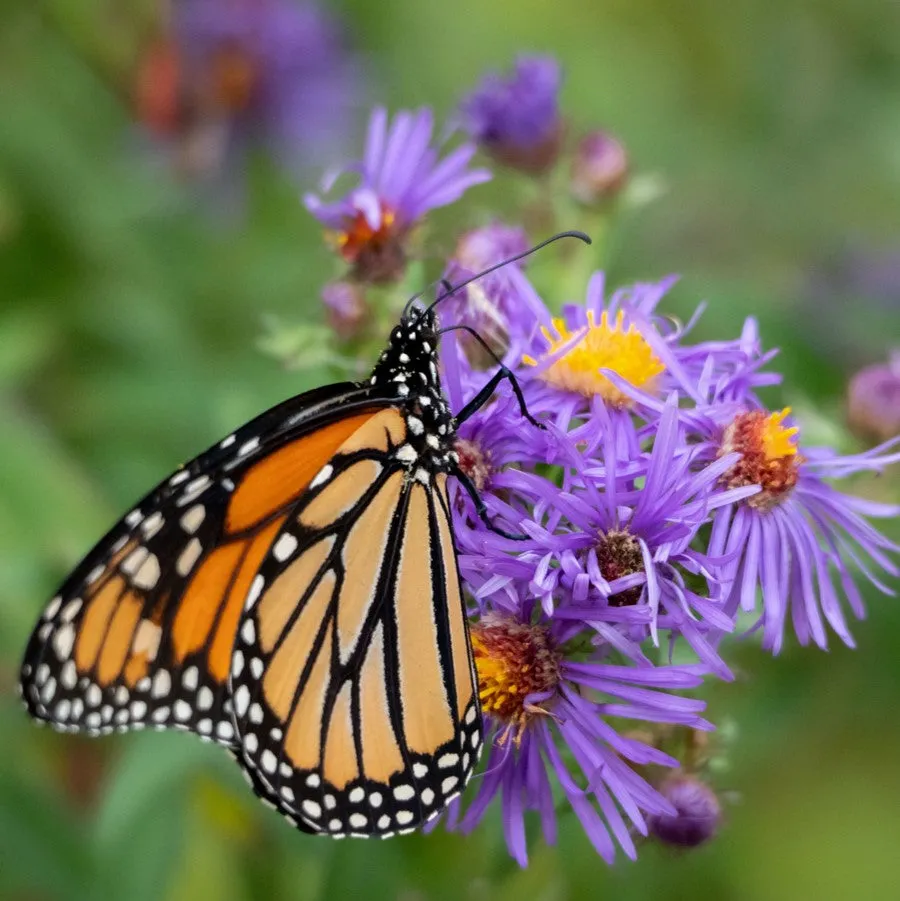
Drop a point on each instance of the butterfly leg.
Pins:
(481, 509)
(484, 395)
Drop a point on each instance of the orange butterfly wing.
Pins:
(142, 632)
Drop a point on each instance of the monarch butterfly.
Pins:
(293, 594)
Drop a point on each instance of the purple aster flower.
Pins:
(345, 308)
(634, 520)
(600, 550)
(599, 168)
(238, 74)
(873, 400)
(516, 119)
(547, 718)
(789, 540)
(622, 354)
(698, 815)
(400, 179)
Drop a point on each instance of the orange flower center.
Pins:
(513, 660)
(770, 457)
(376, 253)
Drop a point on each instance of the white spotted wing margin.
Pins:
(101, 657)
(352, 679)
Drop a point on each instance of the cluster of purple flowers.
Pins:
(662, 507)
(662, 502)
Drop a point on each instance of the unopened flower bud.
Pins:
(599, 168)
(345, 308)
(516, 118)
(698, 813)
(873, 400)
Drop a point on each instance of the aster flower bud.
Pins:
(516, 118)
(599, 168)
(873, 400)
(698, 813)
(345, 308)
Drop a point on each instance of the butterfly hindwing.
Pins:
(352, 680)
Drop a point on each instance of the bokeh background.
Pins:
(131, 306)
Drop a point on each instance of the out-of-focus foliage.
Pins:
(129, 320)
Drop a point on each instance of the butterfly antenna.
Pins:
(448, 288)
(519, 256)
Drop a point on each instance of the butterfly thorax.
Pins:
(408, 369)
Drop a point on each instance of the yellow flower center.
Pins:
(599, 346)
(513, 660)
(777, 440)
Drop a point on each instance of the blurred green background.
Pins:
(128, 326)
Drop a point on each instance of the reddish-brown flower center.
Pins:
(375, 252)
(513, 660)
(619, 555)
(769, 456)
(475, 462)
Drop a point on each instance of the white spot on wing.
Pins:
(188, 557)
(284, 547)
(256, 588)
(268, 761)
(64, 641)
(193, 490)
(322, 476)
(248, 447)
(190, 678)
(152, 524)
(162, 684)
(70, 611)
(52, 607)
(148, 574)
(131, 563)
(192, 520)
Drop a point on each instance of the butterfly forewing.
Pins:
(142, 632)
(352, 678)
